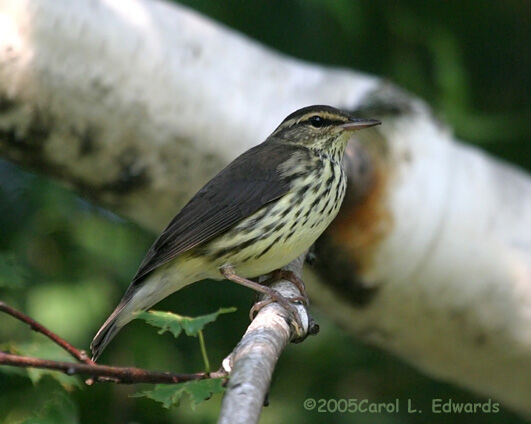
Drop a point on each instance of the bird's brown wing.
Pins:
(251, 181)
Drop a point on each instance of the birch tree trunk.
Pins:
(137, 103)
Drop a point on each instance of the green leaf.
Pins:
(171, 395)
(13, 274)
(175, 324)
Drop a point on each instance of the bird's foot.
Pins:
(286, 302)
(282, 274)
(230, 274)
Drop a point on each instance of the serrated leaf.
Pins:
(171, 395)
(13, 274)
(175, 324)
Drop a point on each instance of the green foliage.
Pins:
(175, 324)
(171, 394)
(192, 326)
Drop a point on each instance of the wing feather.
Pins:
(247, 184)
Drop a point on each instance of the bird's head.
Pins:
(320, 128)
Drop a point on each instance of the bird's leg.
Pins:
(277, 275)
(228, 272)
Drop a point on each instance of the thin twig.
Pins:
(102, 373)
(105, 373)
(78, 354)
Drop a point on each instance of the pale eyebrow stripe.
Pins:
(325, 115)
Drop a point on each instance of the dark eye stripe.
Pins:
(323, 122)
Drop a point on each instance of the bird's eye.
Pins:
(316, 121)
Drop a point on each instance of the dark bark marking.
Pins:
(337, 272)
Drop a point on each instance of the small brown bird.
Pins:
(258, 214)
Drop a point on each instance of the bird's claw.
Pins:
(286, 303)
(282, 274)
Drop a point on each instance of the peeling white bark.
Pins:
(137, 103)
(454, 271)
(131, 82)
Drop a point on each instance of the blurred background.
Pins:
(66, 262)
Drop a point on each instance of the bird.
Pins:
(263, 210)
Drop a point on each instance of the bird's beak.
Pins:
(359, 124)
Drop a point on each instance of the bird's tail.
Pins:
(133, 301)
(138, 297)
(108, 330)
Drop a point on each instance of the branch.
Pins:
(105, 373)
(101, 373)
(253, 360)
(80, 355)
